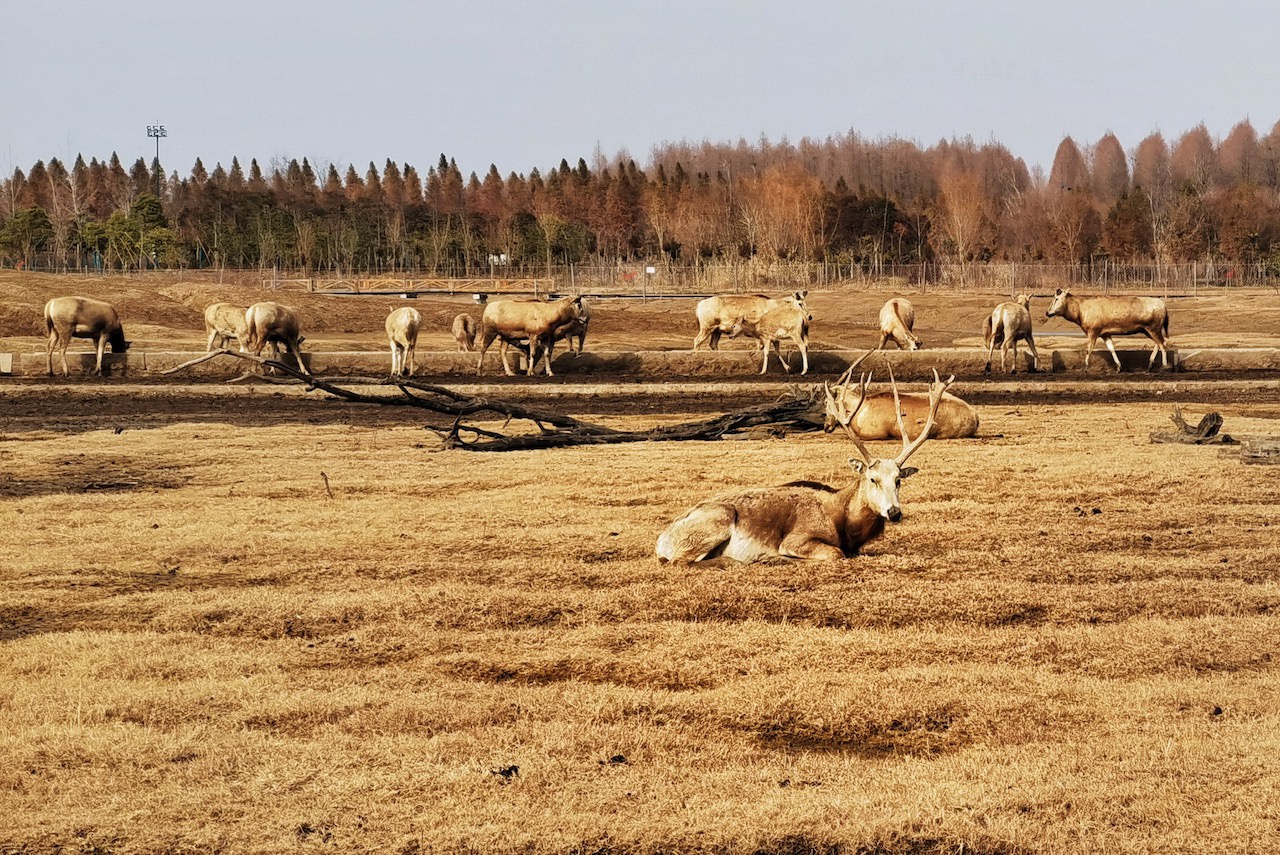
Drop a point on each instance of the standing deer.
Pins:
(1103, 317)
(802, 519)
(512, 320)
(897, 317)
(717, 315)
(66, 318)
(268, 322)
(1009, 323)
(223, 322)
(464, 332)
(402, 332)
(789, 319)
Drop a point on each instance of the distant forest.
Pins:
(846, 199)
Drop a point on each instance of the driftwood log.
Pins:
(802, 412)
(1207, 432)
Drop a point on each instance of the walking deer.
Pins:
(1103, 317)
(402, 332)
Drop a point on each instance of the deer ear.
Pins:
(857, 465)
(907, 472)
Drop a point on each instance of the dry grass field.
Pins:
(1069, 643)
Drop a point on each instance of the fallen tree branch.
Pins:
(1207, 432)
(800, 412)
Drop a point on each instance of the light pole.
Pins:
(157, 131)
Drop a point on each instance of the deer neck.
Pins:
(856, 521)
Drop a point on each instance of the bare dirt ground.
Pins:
(251, 619)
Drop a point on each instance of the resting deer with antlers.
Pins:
(803, 519)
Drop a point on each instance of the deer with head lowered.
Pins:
(803, 519)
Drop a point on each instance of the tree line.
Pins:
(844, 199)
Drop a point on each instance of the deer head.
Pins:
(1059, 302)
(881, 478)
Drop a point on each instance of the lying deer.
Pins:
(804, 519)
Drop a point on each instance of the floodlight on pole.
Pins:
(157, 131)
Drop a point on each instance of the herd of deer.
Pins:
(797, 520)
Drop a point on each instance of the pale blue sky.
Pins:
(523, 84)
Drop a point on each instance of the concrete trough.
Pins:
(657, 364)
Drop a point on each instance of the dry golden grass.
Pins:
(203, 651)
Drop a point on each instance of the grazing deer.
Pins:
(789, 319)
(717, 315)
(537, 321)
(402, 332)
(897, 317)
(66, 318)
(272, 323)
(575, 329)
(1103, 317)
(802, 519)
(464, 332)
(1009, 323)
(223, 322)
(880, 414)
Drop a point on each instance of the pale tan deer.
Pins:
(880, 415)
(897, 318)
(66, 318)
(1009, 323)
(223, 322)
(717, 315)
(464, 332)
(271, 323)
(802, 519)
(1103, 317)
(402, 333)
(789, 319)
(537, 321)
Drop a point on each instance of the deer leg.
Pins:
(102, 347)
(765, 367)
(804, 355)
(548, 350)
(1111, 347)
(991, 349)
(777, 348)
(808, 549)
(1035, 358)
(1088, 349)
(48, 350)
(413, 361)
(484, 341)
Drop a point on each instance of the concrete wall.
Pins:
(657, 364)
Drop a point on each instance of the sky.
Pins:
(524, 84)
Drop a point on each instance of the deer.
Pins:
(535, 320)
(575, 329)
(803, 520)
(1009, 323)
(268, 322)
(789, 319)
(66, 318)
(223, 322)
(402, 332)
(464, 332)
(1104, 317)
(880, 414)
(897, 317)
(717, 315)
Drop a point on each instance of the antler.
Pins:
(838, 407)
(909, 446)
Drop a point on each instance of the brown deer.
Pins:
(802, 519)
(880, 414)
(537, 321)
(402, 332)
(717, 315)
(1103, 317)
(1009, 323)
(789, 319)
(66, 318)
(897, 317)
